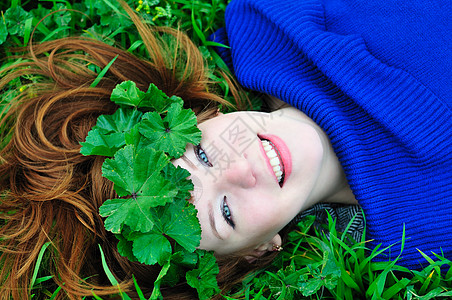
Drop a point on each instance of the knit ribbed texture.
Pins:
(389, 127)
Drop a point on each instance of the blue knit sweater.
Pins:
(376, 76)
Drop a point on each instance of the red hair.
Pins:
(49, 191)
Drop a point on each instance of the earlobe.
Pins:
(272, 245)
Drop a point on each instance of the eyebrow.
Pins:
(212, 222)
(188, 162)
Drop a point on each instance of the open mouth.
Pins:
(274, 159)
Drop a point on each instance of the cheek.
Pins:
(263, 218)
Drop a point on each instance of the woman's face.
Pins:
(253, 172)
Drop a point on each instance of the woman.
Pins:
(52, 193)
(355, 144)
(250, 167)
(376, 78)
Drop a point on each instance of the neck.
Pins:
(333, 184)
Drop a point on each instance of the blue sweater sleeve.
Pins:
(375, 75)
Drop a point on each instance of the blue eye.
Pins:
(202, 156)
(226, 212)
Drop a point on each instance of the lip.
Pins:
(284, 155)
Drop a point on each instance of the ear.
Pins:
(263, 248)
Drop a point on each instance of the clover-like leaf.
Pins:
(156, 99)
(125, 247)
(179, 177)
(15, 18)
(203, 278)
(137, 175)
(132, 171)
(127, 93)
(63, 17)
(110, 131)
(175, 220)
(132, 212)
(151, 248)
(178, 221)
(173, 132)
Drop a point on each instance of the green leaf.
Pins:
(156, 293)
(3, 32)
(110, 14)
(63, 17)
(15, 18)
(151, 248)
(172, 277)
(136, 174)
(311, 286)
(131, 212)
(125, 247)
(203, 278)
(178, 176)
(109, 133)
(184, 258)
(156, 99)
(178, 221)
(133, 171)
(127, 93)
(99, 33)
(173, 132)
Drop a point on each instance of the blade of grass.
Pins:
(28, 27)
(426, 283)
(38, 264)
(437, 269)
(112, 6)
(103, 72)
(110, 275)
(15, 3)
(197, 30)
(55, 31)
(55, 293)
(96, 297)
(42, 279)
(135, 45)
(139, 291)
(156, 293)
(394, 289)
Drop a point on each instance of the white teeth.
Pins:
(273, 158)
(272, 153)
(274, 161)
(266, 145)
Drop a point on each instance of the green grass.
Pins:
(315, 267)
(311, 265)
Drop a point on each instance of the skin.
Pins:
(237, 174)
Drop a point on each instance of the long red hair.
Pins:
(49, 192)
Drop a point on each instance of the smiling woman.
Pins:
(251, 168)
(369, 122)
(51, 194)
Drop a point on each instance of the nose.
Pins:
(239, 173)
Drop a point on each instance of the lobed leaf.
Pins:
(109, 134)
(151, 248)
(135, 174)
(203, 278)
(173, 132)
